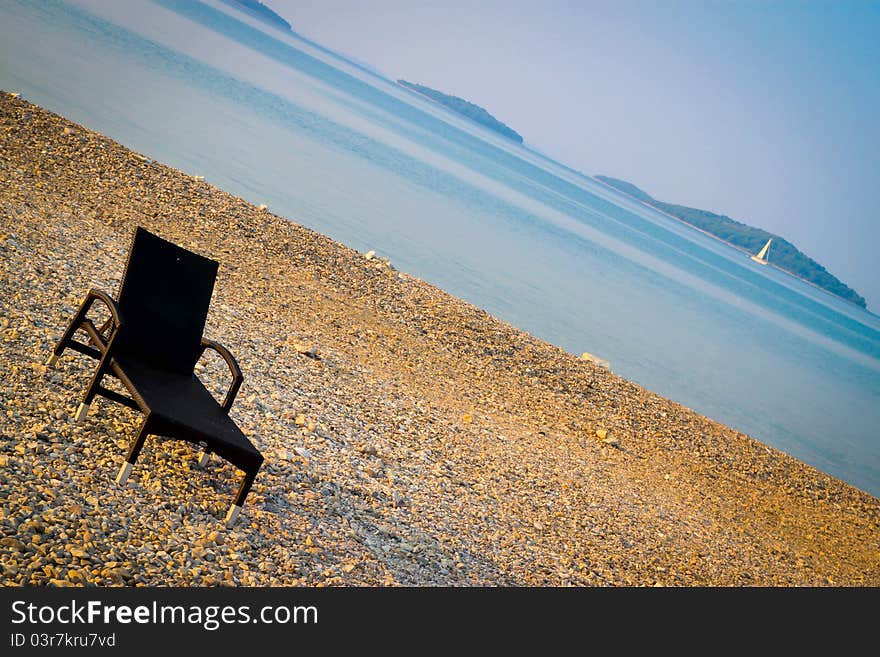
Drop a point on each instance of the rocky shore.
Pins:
(410, 438)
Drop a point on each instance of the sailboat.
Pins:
(761, 256)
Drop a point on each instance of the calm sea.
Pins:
(277, 119)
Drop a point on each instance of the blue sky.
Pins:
(764, 111)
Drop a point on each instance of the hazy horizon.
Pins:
(759, 111)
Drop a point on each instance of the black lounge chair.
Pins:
(151, 342)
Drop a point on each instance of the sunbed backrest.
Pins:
(164, 299)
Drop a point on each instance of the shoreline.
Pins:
(426, 444)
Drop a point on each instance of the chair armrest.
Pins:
(107, 300)
(97, 336)
(234, 369)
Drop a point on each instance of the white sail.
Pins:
(762, 254)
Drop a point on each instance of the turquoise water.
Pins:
(276, 119)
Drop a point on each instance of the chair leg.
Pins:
(124, 472)
(232, 515)
(133, 451)
(83, 409)
(243, 490)
(61, 345)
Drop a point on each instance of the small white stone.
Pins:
(305, 349)
(601, 362)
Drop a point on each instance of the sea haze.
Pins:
(277, 119)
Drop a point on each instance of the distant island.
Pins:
(463, 107)
(783, 253)
(258, 10)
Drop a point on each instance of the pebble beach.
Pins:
(410, 438)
